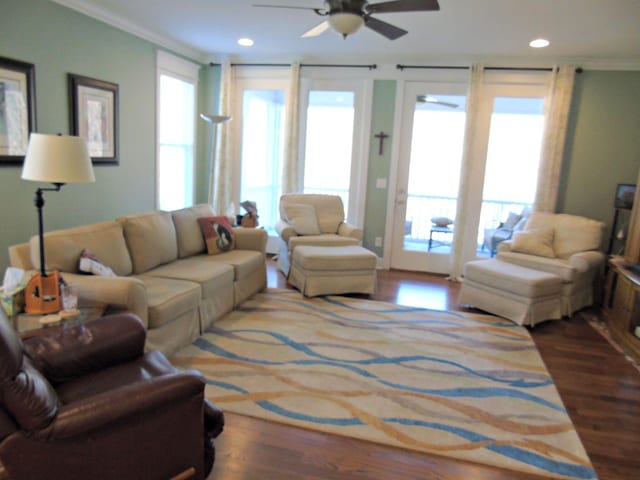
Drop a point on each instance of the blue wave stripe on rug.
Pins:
(471, 387)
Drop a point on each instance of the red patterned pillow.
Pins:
(218, 234)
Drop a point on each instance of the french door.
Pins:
(504, 162)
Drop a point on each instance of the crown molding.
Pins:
(120, 23)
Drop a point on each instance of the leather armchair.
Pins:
(86, 402)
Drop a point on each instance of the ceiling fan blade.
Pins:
(433, 100)
(319, 11)
(317, 30)
(403, 6)
(383, 28)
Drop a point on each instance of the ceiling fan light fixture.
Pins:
(346, 23)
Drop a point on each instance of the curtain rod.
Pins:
(457, 67)
(370, 67)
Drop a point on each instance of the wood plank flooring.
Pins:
(599, 387)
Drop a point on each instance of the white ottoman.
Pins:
(333, 270)
(520, 294)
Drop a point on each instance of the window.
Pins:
(177, 82)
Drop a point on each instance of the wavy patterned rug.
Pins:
(471, 387)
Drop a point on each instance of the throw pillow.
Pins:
(90, 263)
(303, 218)
(218, 234)
(534, 242)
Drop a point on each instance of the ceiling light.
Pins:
(539, 43)
(346, 23)
(245, 42)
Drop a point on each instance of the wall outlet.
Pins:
(378, 242)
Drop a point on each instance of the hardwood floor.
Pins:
(599, 387)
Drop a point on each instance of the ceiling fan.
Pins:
(347, 16)
(435, 101)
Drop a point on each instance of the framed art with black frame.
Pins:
(17, 109)
(94, 116)
(625, 193)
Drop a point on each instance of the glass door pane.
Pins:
(511, 171)
(329, 143)
(262, 151)
(434, 171)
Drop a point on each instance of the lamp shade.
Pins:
(57, 159)
(346, 23)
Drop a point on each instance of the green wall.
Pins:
(384, 97)
(603, 144)
(58, 41)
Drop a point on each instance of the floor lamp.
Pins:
(55, 159)
(214, 120)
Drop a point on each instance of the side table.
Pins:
(28, 324)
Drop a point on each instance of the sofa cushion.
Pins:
(64, 247)
(168, 298)
(211, 276)
(218, 234)
(557, 266)
(244, 262)
(321, 241)
(188, 233)
(303, 218)
(329, 209)
(151, 238)
(572, 232)
(537, 242)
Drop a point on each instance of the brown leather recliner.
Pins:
(86, 402)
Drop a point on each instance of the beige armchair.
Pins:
(563, 245)
(312, 219)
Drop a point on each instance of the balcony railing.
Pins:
(422, 208)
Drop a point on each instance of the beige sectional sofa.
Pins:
(164, 274)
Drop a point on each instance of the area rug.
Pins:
(472, 387)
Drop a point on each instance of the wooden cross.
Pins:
(381, 136)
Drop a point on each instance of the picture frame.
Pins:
(17, 109)
(625, 194)
(94, 116)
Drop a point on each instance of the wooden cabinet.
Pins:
(622, 305)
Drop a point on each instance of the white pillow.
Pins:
(303, 218)
(89, 263)
(534, 242)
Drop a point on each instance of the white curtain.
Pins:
(220, 181)
(556, 119)
(466, 172)
(290, 170)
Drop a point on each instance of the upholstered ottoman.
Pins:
(333, 270)
(520, 294)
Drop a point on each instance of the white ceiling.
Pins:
(592, 33)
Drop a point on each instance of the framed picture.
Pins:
(17, 109)
(625, 194)
(94, 116)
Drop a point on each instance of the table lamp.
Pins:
(56, 159)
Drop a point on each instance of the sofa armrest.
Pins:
(251, 239)
(146, 397)
(81, 349)
(585, 261)
(20, 256)
(347, 230)
(504, 246)
(285, 230)
(125, 293)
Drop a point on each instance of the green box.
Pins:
(12, 301)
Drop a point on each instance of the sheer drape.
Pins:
(556, 119)
(220, 181)
(290, 169)
(466, 172)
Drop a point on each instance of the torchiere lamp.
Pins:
(214, 120)
(56, 159)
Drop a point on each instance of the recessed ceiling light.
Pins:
(539, 43)
(245, 42)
